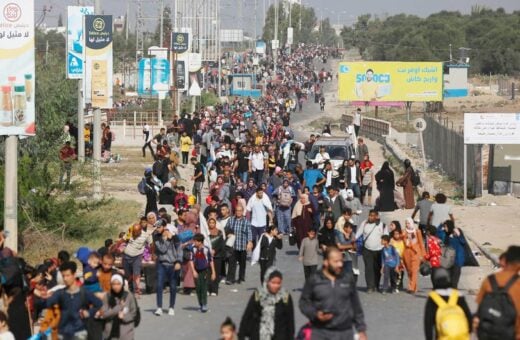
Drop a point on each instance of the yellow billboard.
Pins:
(390, 81)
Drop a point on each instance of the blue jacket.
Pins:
(457, 243)
(70, 304)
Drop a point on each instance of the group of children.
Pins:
(392, 267)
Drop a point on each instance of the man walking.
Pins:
(74, 303)
(331, 302)
(259, 206)
(257, 164)
(357, 121)
(169, 257)
(240, 227)
(361, 150)
(353, 177)
(285, 194)
(67, 155)
(198, 179)
(133, 256)
(147, 140)
(371, 231)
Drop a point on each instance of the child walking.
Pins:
(390, 261)
(203, 270)
(309, 253)
(398, 243)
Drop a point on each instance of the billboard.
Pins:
(98, 61)
(75, 41)
(492, 128)
(17, 114)
(180, 42)
(261, 47)
(390, 81)
(153, 76)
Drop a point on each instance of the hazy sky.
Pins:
(343, 10)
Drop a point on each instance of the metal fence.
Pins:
(370, 127)
(444, 146)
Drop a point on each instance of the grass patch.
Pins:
(96, 223)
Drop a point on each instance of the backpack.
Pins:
(497, 312)
(12, 273)
(142, 186)
(284, 198)
(137, 318)
(450, 320)
(416, 178)
(448, 255)
(392, 260)
(200, 260)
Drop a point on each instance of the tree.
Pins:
(167, 28)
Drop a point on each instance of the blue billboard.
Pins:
(153, 76)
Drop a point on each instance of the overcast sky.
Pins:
(343, 10)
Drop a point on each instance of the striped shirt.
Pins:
(241, 228)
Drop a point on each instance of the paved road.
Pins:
(397, 316)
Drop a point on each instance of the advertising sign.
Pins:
(17, 115)
(154, 76)
(290, 35)
(260, 47)
(180, 42)
(492, 128)
(98, 60)
(180, 74)
(75, 41)
(390, 81)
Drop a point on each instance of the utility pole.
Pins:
(219, 55)
(97, 136)
(11, 193)
(275, 50)
(159, 99)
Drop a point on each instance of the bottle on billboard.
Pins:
(6, 115)
(19, 105)
(28, 86)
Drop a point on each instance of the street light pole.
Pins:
(275, 50)
(159, 99)
(97, 136)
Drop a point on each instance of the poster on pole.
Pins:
(390, 81)
(153, 76)
(75, 41)
(491, 128)
(17, 75)
(98, 61)
(180, 42)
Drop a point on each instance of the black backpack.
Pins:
(12, 273)
(497, 312)
(416, 178)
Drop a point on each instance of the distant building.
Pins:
(455, 80)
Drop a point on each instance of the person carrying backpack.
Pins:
(446, 314)
(203, 269)
(498, 315)
(285, 195)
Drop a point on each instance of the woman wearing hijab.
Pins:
(302, 218)
(269, 315)
(385, 185)
(119, 311)
(413, 253)
(405, 181)
(454, 238)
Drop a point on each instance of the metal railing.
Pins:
(444, 146)
(370, 127)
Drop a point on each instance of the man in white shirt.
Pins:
(259, 207)
(321, 157)
(147, 140)
(371, 230)
(357, 121)
(257, 164)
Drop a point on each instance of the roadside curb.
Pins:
(491, 257)
(394, 150)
